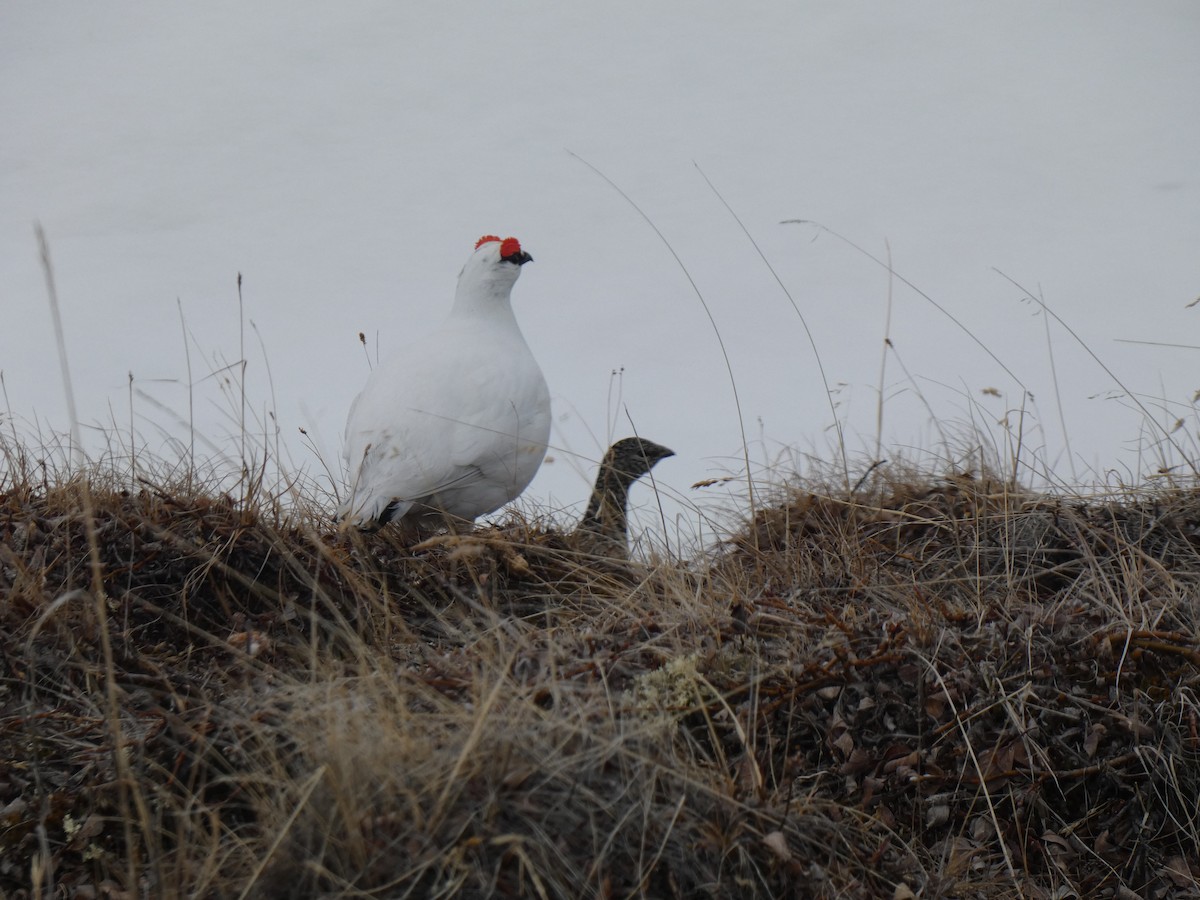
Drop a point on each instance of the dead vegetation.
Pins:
(941, 688)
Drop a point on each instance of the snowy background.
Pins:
(345, 157)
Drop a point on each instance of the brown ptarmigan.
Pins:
(454, 425)
(604, 527)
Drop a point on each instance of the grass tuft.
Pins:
(933, 685)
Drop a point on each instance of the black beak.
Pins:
(519, 258)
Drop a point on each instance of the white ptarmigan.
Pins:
(454, 425)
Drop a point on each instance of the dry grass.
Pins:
(939, 687)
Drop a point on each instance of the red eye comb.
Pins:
(509, 247)
(487, 238)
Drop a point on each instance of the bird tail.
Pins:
(369, 513)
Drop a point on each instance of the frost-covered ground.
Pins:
(344, 158)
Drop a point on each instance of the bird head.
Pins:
(508, 249)
(493, 267)
(636, 456)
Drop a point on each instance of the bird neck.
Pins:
(482, 296)
(606, 510)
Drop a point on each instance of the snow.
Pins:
(343, 158)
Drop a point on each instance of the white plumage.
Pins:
(456, 423)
